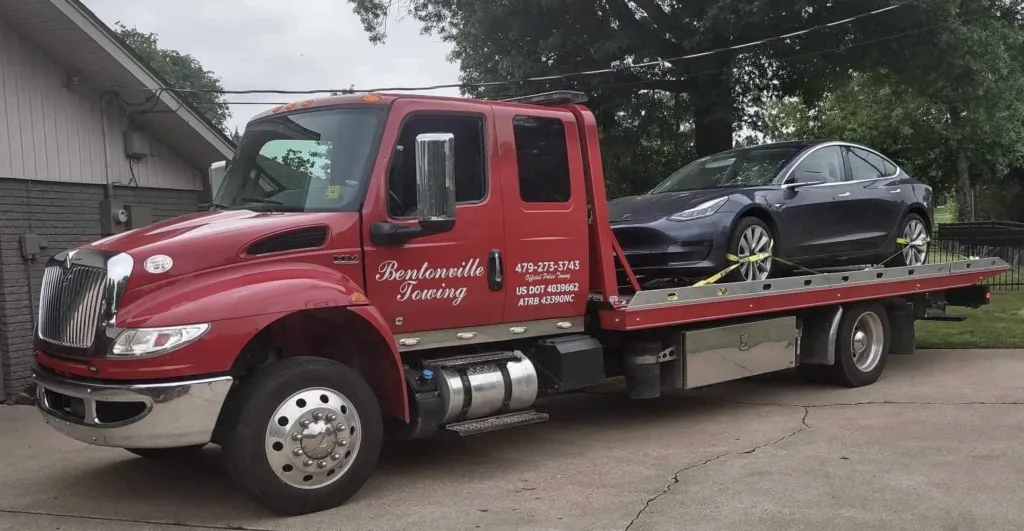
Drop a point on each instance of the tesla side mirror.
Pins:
(435, 182)
(801, 178)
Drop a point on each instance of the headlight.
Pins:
(702, 210)
(151, 341)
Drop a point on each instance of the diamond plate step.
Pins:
(462, 362)
(498, 422)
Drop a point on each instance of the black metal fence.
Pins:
(1003, 239)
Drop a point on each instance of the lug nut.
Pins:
(304, 423)
(319, 415)
(341, 427)
(321, 464)
(332, 417)
(335, 456)
(307, 462)
(296, 436)
(297, 452)
(343, 442)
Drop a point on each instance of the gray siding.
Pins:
(51, 133)
(67, 215)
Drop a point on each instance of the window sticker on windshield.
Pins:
(333, 191)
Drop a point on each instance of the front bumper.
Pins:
(695, 247)
(152, 415)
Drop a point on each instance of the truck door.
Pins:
(545, 204)
(442, 281)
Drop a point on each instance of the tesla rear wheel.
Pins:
(915, 252)
(752, 237)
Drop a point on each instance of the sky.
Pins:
(296, 44)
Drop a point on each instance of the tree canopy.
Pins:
(180, 71)
(935, 83)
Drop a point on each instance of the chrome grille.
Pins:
(70, 304)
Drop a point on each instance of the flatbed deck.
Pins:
(684, 305)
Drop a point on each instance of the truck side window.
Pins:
(543, 159)
(470, 160)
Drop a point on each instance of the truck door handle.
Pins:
(896, 191)
(844, 194)
(495, 276)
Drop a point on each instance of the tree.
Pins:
(180, 71)
(949, 104)
(520, 38)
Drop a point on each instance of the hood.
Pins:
(651, 207)
(206, 240)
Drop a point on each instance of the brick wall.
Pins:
(65, 215)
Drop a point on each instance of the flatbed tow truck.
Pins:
(452, 263)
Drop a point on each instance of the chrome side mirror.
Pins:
(214, 180)
(435, 181)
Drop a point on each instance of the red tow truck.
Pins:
(403, 265)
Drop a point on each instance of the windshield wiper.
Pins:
(261, 200)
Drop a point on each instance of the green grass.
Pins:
(945, 213)
(1000, 324)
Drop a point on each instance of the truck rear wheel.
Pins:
(862, 345)
(307, 437)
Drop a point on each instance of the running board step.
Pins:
(461, 362)
(497, 422)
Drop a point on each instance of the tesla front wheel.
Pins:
(752, 237)
(307, 438)
(913, 247)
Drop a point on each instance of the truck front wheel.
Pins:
(307, 436)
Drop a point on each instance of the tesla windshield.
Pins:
(314, 161)
(745, 167)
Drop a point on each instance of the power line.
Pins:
(707, 72)
(552, 77)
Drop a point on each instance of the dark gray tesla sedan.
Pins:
(816, 203)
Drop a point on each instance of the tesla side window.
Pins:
(470, 169)
(542, 158)
(866, 165)
(744, 167)
(824, 164)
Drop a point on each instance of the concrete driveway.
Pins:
(936, 444)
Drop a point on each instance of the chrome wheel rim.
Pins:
(866, 341)
(755, 240)
(313, 438)
(916, 250)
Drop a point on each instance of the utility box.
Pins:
(138, 216)
(136, 145)
(113, 216)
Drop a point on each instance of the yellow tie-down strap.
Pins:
(904, 241)
(732, 258)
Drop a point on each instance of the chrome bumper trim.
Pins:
(174, 414)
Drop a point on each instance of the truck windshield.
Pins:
(315, 161)
(745, 167)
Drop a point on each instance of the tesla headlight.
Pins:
(702, 210)
(134, 342)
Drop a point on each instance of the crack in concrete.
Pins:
(675, 477)
(870, 403)
(132, 521)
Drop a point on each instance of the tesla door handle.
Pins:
(896, 191)
(495, 276)
(844, 194)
